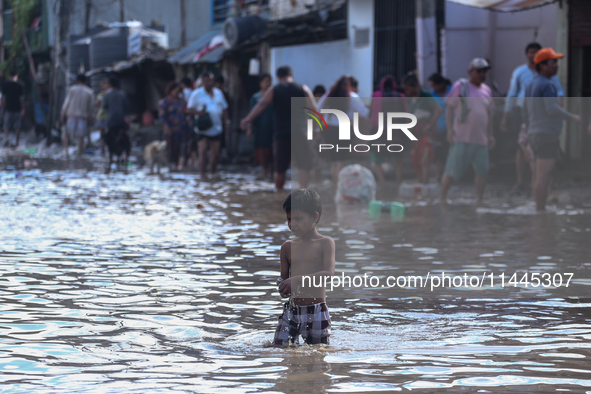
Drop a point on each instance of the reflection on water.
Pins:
(139, 284)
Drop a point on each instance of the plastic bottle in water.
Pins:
(396, 209)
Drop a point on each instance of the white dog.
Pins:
(154, 153)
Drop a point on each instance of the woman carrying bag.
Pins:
(210, 107)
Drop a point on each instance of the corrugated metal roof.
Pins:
(187, 54)
(504, 5)
(213, 56)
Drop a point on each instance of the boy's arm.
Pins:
(285, 257)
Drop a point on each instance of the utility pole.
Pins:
(1, 31)
(183, 24)
(87, 9)
(59, 80)
(121, 10)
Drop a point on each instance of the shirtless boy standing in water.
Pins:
(306, 263)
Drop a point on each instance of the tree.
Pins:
(22, 13)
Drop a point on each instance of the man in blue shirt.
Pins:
(544, 117)
(521, 78)
(441, 87)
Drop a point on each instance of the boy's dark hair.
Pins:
(206, 74)
(81, 78)
(114, 82)
(305, 200)
(538, 68)
(263, 76)
(354, 82)
(319, 89)
(533, 45)
(284, 71)
(410, 79)
(12, 73)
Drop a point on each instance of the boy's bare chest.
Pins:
(305, 255)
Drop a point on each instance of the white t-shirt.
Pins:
(187, 94)
(215, 106)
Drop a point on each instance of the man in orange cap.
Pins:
(544, 117)
(513, 114)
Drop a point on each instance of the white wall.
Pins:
(361, 15)
(499, 37)
(314, 64)
(324, 63)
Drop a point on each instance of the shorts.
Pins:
(523, 143)
(462, 154)
(282, 152)
(199, 137)
(545, 146)
(312, 322)
(76, 127)
(12, 120)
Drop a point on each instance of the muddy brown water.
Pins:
(135, 283)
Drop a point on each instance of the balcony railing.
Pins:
(223, 9)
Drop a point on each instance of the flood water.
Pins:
(136, 283)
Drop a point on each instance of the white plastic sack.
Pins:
(412, 190)
(356, 184)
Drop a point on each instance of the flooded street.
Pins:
(136, 283)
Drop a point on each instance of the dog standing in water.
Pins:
(119, 145)
(154, 154)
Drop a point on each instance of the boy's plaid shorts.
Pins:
(312, 322)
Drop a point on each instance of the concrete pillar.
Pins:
(492, 42)
(570, 139)
(426, 36)
(562, 45)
